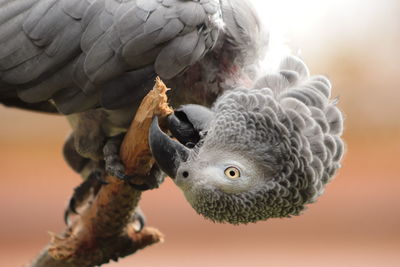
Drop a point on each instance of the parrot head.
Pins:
(257, 154)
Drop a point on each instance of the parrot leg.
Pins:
(94, 172)
(72, 157)
(115, 167)
(89, 137)
(86, 192)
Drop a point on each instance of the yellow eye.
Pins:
(232, 173)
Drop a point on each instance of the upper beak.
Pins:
(168, 153)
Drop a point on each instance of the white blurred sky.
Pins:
(316, 22)
(354, 42)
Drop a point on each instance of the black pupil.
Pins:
(232, 173)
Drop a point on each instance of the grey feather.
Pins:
(244, 30)
(140, 44)
(92, 12)
(119, 93)
(48, 26)
(66, 38)
(335, 120)
(75, 9)
(326, 86)
(291, 76)
(321, 87)
(106, 20)
(156, 21)
(46, 89)
(113, 7)
(339, 149)
(148, 5)
(295, 104)
(73, 100)
(170, 3)
(130, 25)
(41, 63)
(37, 13)
(94, 30)
(11, 9)
(330, 143)
(296, 119)
(295, 64)
(79, 76)
(210, 7)
(286, 138)
(191, 13)
(274, 81)
(17, 50)
(90, 43)
(171, 29)
(175, 56)
(97, 56)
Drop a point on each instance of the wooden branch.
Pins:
(103, 231)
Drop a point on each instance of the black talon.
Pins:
(151, 181)
(90, 186)
(140, 187)
(98, 175)
(71, 209)
(123, 176)
(139, 217)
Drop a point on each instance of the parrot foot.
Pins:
(148, 182)
(113, 163)
(116, 168)
(86, 190)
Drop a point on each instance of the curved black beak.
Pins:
(167, 152)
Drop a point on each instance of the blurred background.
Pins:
(355, 223)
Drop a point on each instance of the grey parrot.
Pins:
(248, 149)
(262, 152)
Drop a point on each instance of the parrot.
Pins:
(261, 152)
(249, 146)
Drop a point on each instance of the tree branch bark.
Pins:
(103, 231)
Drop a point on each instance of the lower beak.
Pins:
(168, 153)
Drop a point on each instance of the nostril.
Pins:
(185, 174)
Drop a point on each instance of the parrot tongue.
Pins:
(168, 153)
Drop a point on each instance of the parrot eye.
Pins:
(232, 173)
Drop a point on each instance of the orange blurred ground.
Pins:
(356, 223)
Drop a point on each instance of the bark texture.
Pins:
(104, 231)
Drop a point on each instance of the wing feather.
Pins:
(69, 50)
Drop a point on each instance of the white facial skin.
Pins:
(218, 170)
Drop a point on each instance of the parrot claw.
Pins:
(138, 220)
(148, 182)
(89, 187)
(119, 174)
(116, 168)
